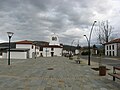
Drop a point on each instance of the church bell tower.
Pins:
(54, 40)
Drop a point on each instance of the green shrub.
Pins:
(85, 53)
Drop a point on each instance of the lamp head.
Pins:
(95, 21)
(10, 34)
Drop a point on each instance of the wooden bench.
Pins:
(115, 74)
(77, 61)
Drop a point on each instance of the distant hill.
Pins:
(68, 48)
(13, 45)
(99, 46)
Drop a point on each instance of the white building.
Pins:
(29, 49)
(77, 51)
(53, 49)
(19, 53)
(22, 50)
(27, 45)
(112, 48)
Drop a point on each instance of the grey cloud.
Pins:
(7, 5)
(37, 19)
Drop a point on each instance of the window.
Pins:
(107, 47)
(52, 49)
(54, 38)
(110, 47)
(41, 49)
(113, 53)
(32, 46)
(107, 53)
(110, 53)
(113, 47)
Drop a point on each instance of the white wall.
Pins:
(15, 55)
(115, 50)
(111, 50)
(18, 55)
(29, 46)
(106, 50)
(48, 53)
(0, 56)
(57, 52)
(4, 55)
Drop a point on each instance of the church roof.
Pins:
(114, 41)
(24, 42)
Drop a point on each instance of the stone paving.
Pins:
(55, 73)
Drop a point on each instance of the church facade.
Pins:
(53, 49)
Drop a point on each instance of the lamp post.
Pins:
(10, 34)
(88, 49)
(88, 40)
(71, 47)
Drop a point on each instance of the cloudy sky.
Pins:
(69, 19)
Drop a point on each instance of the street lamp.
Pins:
(88, 40)
(71, 48)
(10, 34)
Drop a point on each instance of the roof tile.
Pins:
(114, 41)
(24, 42)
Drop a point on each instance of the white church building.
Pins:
(53, 49)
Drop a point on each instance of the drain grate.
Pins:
(50, 68)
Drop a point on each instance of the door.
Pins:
(52, 54)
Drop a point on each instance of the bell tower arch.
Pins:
(54, 40)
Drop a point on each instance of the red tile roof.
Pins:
(24, 42)
(114, 41)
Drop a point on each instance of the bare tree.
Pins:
(105, 30)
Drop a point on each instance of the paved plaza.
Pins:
(54, 73)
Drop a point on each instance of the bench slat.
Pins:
(118, 68)
(117, 75)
